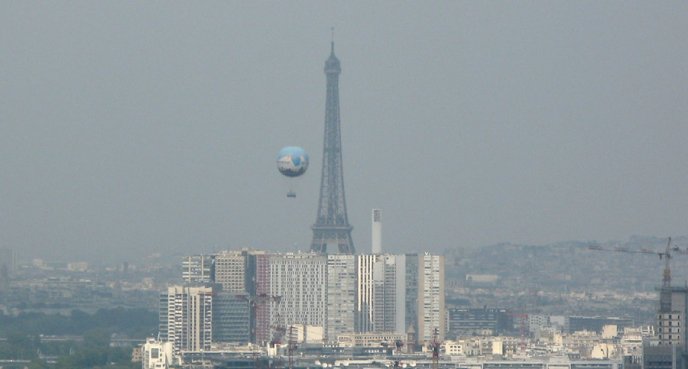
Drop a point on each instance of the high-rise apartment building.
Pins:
(186, 317)
(380, 293)
(260, 307)
(389, 295)
(341, 293)
(430, 304)
(411, 298)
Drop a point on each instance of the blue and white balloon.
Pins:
(292, 161)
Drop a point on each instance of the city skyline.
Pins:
(130, 129)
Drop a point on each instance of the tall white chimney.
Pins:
(377, 231)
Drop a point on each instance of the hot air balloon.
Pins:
(292, 161)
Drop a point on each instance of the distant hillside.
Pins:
(572, 265)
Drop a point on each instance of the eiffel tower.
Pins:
(331, 231)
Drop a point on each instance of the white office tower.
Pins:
(341, 294)
(156, 354)
(300, 281)
(186, 318)
(430, 308)
(230, 271)
(197, 269)
(377, 231)
(380, 293)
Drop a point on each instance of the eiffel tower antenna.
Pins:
(331, 231)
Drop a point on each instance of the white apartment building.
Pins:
(186, 318)
(381, 293)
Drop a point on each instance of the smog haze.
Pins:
(130, 128)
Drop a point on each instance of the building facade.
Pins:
(380, 293)
(671, 319)
(231, 271)
(298, 287)
(477, 321)
(231, 318)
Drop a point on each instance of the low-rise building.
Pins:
(156, 354)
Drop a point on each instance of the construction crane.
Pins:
(279, 330)
(291, 342)
(255, 302)
(665, 255)
(435, 345)
(522, 328)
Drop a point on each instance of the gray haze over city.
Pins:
(130, 128)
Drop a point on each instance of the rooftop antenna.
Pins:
(332, 39)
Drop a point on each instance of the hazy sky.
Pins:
(128, 128)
